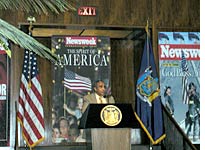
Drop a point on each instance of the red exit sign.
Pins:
(87, 11)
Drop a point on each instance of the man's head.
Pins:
(192, 88)
(167, 91)
(99, 87)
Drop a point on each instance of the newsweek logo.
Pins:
(174, 51)
(81, 41)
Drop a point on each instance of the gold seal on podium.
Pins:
(111, 115)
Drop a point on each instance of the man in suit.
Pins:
(98, 96)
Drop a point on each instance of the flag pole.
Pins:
(148, 58)
(64, 101)
(30, 20)
(147, 40)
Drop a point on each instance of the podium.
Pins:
(110, 125)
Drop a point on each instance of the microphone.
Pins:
(107, 97)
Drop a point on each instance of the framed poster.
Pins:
(179, 64)
(4, 97)
(83, 60)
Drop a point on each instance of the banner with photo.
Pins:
(82, 61)
(179, 65)
(4, 95)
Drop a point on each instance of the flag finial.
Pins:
(31, 20)
(147, 27)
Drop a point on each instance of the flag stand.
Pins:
(150, 146)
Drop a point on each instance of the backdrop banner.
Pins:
(82, 61)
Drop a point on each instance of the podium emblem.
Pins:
(111, 115)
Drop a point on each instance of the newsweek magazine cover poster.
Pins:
(179, 65)
(84, 59)
(4, 96)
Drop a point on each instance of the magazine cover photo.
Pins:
(83, 61)
(179, 65)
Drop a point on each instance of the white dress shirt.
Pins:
(102, 101)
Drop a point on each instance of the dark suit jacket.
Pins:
(91, 99)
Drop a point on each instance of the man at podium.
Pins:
(98, 96)
(108, 127)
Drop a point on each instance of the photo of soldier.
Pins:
(169, 104)
(192, 121)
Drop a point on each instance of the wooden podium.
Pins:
(110, 125)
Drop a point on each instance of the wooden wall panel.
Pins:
(122, 74)
(16, 70)
(169, 13)
(173, 13)
(45, 68)
(121, 12)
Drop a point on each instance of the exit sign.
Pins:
(87, 11)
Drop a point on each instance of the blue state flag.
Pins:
(148, 106)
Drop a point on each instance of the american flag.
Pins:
(30, 104)
(76, 82)
(185, 88)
